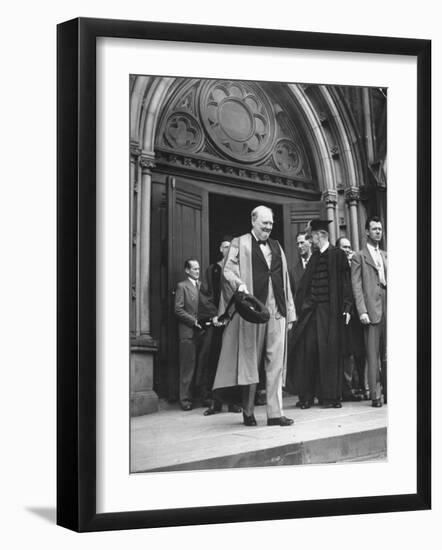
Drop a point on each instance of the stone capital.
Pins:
(135, 149)
(352, 195)
(330, 197)
(147, 162)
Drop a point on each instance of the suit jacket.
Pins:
(186, 308)
(366, 285)
(296, 274)
(239, 361)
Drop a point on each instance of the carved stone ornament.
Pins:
(330, 197)
(271, 177)
(238, 118)
(352, 195)
(147, 162)
(135, 150)
(287, 157)
(182, 132)
(334, 151)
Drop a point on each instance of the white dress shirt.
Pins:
(377, 258)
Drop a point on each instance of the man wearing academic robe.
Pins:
(323, 303)
(257, 265)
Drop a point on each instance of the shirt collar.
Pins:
(324, 247)
(261, 241)
(371, 247)
(193, 281)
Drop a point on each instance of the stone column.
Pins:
(330, 197)
(135, 153)
(143, 399)
(352, 199)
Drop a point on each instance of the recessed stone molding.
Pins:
(166, 158)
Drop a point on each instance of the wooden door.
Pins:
(188, 237)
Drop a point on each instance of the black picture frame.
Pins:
(76, 273)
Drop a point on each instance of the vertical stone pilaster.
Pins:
(143, 398)
(330, 197)
(352, 199)
(145, 190)
(135, 153)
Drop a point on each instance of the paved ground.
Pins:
(355, 432)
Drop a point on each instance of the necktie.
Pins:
(262, 242)
(380, 267)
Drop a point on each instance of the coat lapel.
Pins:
(368, 259)
(256, 249)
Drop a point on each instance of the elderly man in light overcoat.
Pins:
(257, 265)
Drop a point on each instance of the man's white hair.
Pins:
(260, 209)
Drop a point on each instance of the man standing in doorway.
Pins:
(209, 299)
(186, 309)
(323, 302)
(304, 246)
(369, 281)
(257, 265)
(354, 379)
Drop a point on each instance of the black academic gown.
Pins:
(340, 301)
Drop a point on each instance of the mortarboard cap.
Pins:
(319, 225)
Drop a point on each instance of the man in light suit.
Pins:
(186, 309)
(369, 282)
(257, 265)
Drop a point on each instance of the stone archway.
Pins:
(336, 162)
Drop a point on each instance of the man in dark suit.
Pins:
(304, 245)
(354, 380)
(369, 281)
(209, 298)
(186, 309)
(323, 303)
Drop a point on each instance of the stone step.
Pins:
(173, 440)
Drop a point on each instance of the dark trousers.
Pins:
(188, 349)
(375, 345)
(315, 354)
(355, 376)
(208, 356)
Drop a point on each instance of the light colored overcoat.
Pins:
(365, 282)
(239, 362)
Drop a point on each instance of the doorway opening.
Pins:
(230, 215)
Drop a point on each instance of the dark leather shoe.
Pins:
(211, 411)
(305, 405)
(332, 405)
(376, 403)
(186, 406)
(280, 421)
(352, 397)
(249, 420)
(233, 408)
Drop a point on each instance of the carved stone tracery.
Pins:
(232, 122)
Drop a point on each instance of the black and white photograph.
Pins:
(258, 274)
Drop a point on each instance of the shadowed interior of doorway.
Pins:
(230, 215)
